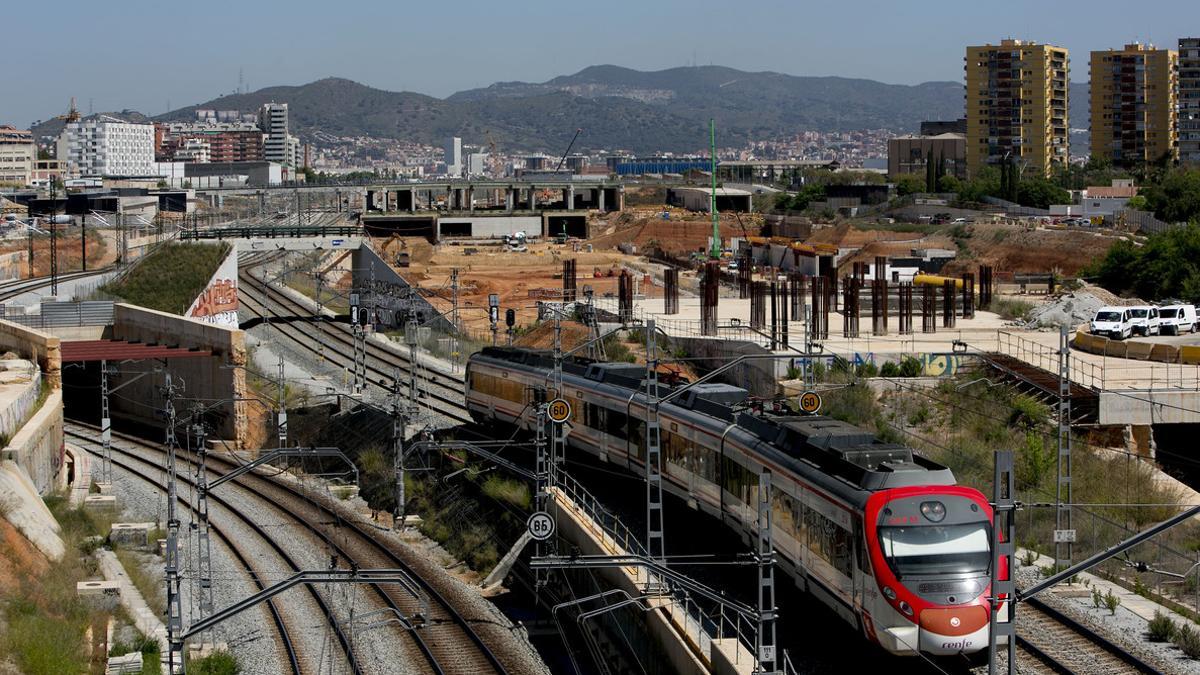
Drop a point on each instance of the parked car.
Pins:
(1176, 319)
(1112, 322)
(1144, 319)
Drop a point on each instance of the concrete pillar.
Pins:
(412, 200)
(470, 198)
(532, 198)
(508, 198)
(570, 197)
(600, 198)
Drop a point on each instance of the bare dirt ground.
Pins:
(519, 278)
(1012, 249)
(100, 253)
(20, 559)
(1007, 248)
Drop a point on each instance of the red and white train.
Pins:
(879, 534)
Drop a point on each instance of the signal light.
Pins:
(934, 512)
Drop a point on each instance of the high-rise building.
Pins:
(477, 163)
(106, 146)
(454, 156)
(273, 120)
(1189, 100)
(1133, 104)
(1017, 105)
(17, 155)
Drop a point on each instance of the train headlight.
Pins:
(934, 512)
(906, 608)
(889, 593)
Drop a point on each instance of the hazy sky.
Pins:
(140, 54)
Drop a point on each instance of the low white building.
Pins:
(106, 146)
(17, 154)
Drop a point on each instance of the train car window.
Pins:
(705, 461)
(637, 437)
(593, 416)
(842, 553)
(614, 423)
(678, 450)
(781, 512)
(738, 481)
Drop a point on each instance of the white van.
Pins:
(1112, 322)
(1176, 319)
(1144, 319)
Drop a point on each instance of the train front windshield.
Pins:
(937, 549)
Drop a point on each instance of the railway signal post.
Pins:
(1004, 545)
(655, 547)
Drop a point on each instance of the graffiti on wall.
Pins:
(218, 302)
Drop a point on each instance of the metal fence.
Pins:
(1142, 221)
(64, 315)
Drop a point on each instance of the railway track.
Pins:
(334, 342)
(1063, 645)
(146, 470)
(446, 637)
(13, 289)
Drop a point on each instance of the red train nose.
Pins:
(954, 620)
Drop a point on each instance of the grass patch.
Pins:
(147, 584)
(219, 662)
(1011, 309)
(148, 646)
(170, 278)
(514, 492)
(45, 619)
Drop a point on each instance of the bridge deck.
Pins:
(1085, 401)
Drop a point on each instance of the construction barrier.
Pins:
(1115, 348)
(1165, 354)
(1189, 354)
(1142, 351)
(1138, 350)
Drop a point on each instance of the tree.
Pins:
(1040, 193)
(908, 184)
(1137, 203)
(930, 179)
(941, 173)
(1176, 198)
(1168, 265)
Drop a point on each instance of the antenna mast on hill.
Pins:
(715, 253)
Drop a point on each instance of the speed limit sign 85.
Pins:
(540, 526)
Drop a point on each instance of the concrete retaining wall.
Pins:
(35, 346)
(210, 378)
(38, 446)
(366, 262)
(759, 377)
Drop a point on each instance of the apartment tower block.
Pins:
(1189, 100)
(1133, 104)
(1017, 106)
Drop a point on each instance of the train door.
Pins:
(862, 564)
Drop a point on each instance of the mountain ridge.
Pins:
(618, 108)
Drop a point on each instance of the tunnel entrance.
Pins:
(384, 226)
(572, 226)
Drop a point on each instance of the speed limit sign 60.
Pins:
(559, 410)
(540, 526)
(810, 402)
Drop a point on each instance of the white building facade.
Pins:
(273, 120)
(106, 146)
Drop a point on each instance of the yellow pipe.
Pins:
(935, 280)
